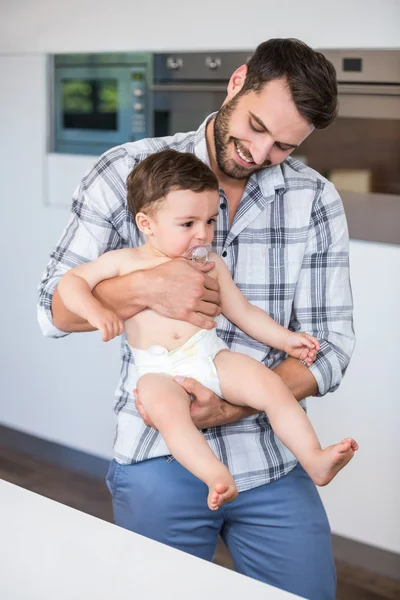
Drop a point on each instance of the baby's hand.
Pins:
(107, 322)
(302, 346)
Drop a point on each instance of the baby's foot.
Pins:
(223, 491)
(330, 461)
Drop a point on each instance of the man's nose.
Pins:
(260, 150)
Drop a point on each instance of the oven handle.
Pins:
(343, 88)
(188, 87)
(368, 89)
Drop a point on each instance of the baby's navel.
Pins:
(176, 336)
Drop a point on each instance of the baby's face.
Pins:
(184, 219)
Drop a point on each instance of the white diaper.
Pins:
(194, 359)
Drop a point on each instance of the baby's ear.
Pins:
(144, 223)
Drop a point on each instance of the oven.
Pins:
(188, 86)
(100, 101)
(360, 151)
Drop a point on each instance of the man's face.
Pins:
(255, 131)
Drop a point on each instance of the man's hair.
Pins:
(163, 172)
(310, 76)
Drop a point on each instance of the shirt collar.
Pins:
(200, 142)
(270, 180)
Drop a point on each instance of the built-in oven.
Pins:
(360, 151)
(189, 86)
(100, 101)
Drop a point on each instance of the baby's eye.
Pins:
(188, 224)
(211, 221)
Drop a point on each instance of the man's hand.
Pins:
(206, 408)
(179, 290)
(176, 289)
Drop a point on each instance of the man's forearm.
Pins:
(124, 295)
(297, 377)
(232, 412)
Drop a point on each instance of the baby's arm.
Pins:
(75, 289)
(257, 323)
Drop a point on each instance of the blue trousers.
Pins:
(277, 533)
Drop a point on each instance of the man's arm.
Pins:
(124, 295)
(75, 287)
(95, 227)
(175, 289)
(209, 410)
(323, 303)
(297, 377)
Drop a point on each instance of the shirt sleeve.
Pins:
(95, 226)
(323, 303)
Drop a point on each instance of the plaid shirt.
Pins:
(287, 250)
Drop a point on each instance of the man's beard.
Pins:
(222, 140)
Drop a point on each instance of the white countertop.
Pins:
(49, 551)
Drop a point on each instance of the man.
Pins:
(283, 234)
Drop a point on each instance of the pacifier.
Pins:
(198, 254)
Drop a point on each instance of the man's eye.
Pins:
(255, 128)
(280, 147)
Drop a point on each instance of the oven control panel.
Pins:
(138, 102)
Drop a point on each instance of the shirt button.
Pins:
(224, 253)
(223, 205)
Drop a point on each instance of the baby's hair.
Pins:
(162, 172)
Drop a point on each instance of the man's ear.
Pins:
(144, 223)
(236, 81)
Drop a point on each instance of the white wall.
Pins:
(363, 502)
(51, 26)
(50, 388)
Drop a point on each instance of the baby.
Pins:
(174, 200)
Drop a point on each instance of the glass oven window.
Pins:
(89, 104)
(183, 111)
(359, 155)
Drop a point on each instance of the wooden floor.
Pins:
(91, 496)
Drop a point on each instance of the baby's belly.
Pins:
(148, 328)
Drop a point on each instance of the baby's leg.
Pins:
(246, 382)
(168, 407)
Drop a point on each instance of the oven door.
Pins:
(360, 151)
(179, 108)
(93, 108)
